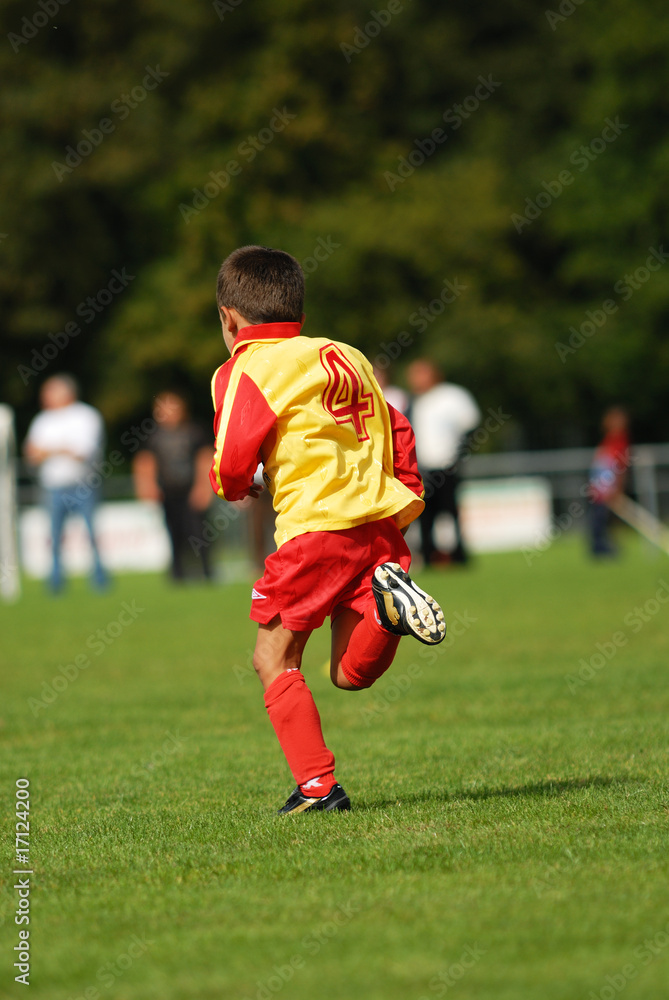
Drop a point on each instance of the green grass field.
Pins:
(509, 833)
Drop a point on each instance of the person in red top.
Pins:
(607, 477)
(341, 468)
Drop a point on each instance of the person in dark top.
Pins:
(173, 469)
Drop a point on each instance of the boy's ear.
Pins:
(232, 320)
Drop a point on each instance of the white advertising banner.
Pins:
(131, 536)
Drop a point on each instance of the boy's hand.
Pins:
(256, 490)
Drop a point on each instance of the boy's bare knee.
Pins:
(341, 681)
(277, 650)
(259, 663)
(266, 669)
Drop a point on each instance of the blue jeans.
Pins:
(60, 503)
(600, 538)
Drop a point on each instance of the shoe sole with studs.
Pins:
(405, 609)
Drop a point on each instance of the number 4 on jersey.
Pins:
(345, 398)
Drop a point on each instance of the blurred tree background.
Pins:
(313, 120)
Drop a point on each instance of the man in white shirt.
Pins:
(391, 393)
(442, 415)
(63, 441)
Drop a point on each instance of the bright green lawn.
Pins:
(498, 818)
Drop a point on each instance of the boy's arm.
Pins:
(242, 422)
(404, 452)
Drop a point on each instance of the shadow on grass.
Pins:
(550, 788)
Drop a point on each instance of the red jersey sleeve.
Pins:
(241, 425)
(404, 452)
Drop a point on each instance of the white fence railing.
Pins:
(567, 470)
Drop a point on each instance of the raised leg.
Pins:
(362, 650)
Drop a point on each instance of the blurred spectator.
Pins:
(392, 393)
(64, 441)
(608, 475)
(173, 469)
(442, 415)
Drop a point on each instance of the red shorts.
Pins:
(322, 572)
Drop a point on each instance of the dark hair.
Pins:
(263, 285)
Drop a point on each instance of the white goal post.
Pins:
(10, 580)
(641, 520)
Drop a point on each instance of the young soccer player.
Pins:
(341, 467)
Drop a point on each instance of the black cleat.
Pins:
(405, 609)
(335, 799)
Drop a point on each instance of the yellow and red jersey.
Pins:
(334, 453)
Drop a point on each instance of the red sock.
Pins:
(318, 787)
(297, 724)
(370, 650)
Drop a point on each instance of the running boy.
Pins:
(341, 467)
